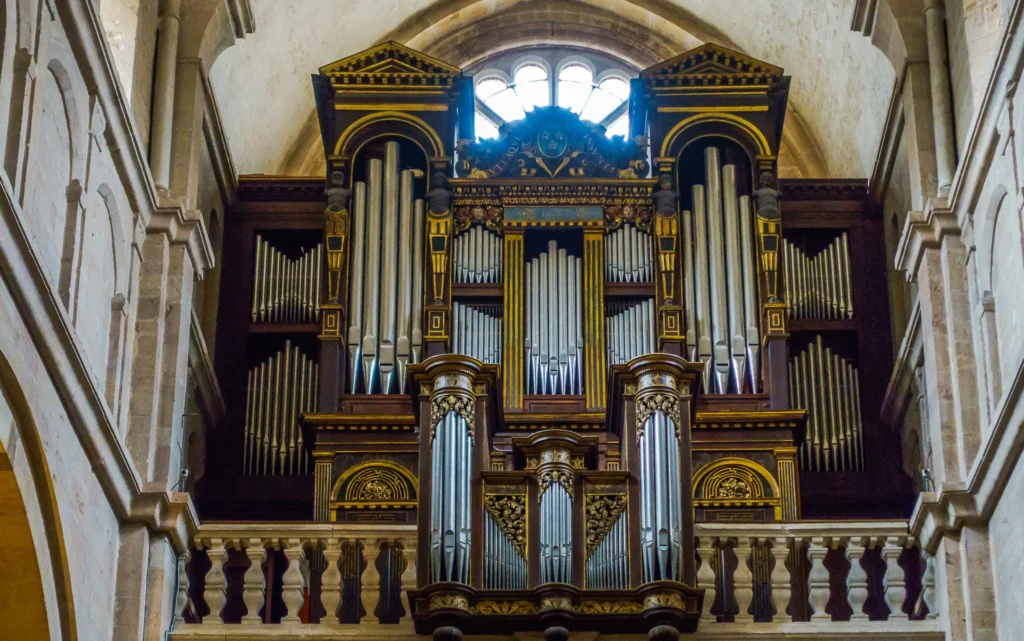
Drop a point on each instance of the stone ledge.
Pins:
(922, 231)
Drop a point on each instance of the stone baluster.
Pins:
(743, 580)
(216, 593)
(817, 581)
(370, 583)
(894, 582)
(857, 578)
(928, 587)
(181, 598)
(781, 591)
(408, 575)
(254, 582)
(330, 582)
(292, 582)
(708, 551)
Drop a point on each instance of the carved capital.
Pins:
(461, 404)
(648, 404)
(554, 475)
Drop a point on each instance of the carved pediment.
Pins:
(553, 142)
(711, 64)
(390, 64)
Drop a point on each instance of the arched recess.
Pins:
(36, 600)
(641, 33)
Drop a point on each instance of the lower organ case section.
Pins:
(278, 391)
(828, 386)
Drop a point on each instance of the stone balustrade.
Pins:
(830, 580)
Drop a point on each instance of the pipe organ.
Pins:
(552, 351)
(721, 282)
(554, 331)
(476, 256)
(818, 287)
(277, 392)
(476, 332)
(385, 292)
(286, 290)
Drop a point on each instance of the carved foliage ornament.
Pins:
(462, 405)
(490, 216)
(549, 476)
(504, 607)
(601, 511)
(647, 405)
(509, 512)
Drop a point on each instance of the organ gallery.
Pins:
(554, 351)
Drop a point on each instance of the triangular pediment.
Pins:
(390, 58)
(710, 60)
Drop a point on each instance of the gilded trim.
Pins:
(727, 118)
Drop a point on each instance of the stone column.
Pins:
(942, 108)
(163, 95)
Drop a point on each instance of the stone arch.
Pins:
(33, 556)
(1004, 269)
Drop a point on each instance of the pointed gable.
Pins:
(390, 64)
(711, 65)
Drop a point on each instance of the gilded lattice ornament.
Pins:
(601, 512)
(651, 403)
(663, 601)
(509, 512)
(449, 601)
(607, 607)
(462, 405)
(562, 477)
(503, 607)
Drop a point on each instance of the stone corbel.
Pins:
(170, 513)
(938, 514)
(922, 231)
(184, 226)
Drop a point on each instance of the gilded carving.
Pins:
(607, 607)
(491, 216)
(336, 219)
(449, 601)
(504, 607)
(554, 456)
(601, 511)
(651, 403)
(556, 603)
(663, 601)
(578, 463)
(562, 477)
(441, 405)
(509, 512)
(734, 488)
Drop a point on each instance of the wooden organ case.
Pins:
(553, 351)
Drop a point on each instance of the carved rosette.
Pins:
(601, 512)
(509, 512)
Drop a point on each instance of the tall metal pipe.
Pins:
(358, 244)
(416, 315)
(371, 291)
(702, 271)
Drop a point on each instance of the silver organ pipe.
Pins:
(555, 535)
(608, 566)
(628, 255)
(451, 459)
(828, 386)
(476, 332)
(721, 280)
(278, 391)
(386, 280)
(555, 325)
(819, 287)
(504, 566)
(629, 331)
(285, 290)
(477, 256)
(660, 503)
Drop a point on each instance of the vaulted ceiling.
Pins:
(838, 100)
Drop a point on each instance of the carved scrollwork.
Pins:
(449, 601)
(504, 607)
(556, 603)
(607, 607)
(490, 216)
(651, 403)
(652, 601)
(549, 476)
(462, 405)
(601, 511)
(509, 512)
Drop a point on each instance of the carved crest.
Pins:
(553, 142)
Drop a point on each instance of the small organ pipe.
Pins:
(403, 343)
(628, 255)
(371, 292)
(689, 283)
(750, 311)
(734, 279)
(416, 320)
(819, 287)
(355, 288)
(389, 269)
(702, 274)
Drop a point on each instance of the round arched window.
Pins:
(503, 98)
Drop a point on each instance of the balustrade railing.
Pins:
(843, 577)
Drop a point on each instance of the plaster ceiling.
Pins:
(838, 99)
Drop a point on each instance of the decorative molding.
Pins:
(711, 65)
(814, 189)
(461, 404)
(649, 404)
(922, 231)
(562, 477)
